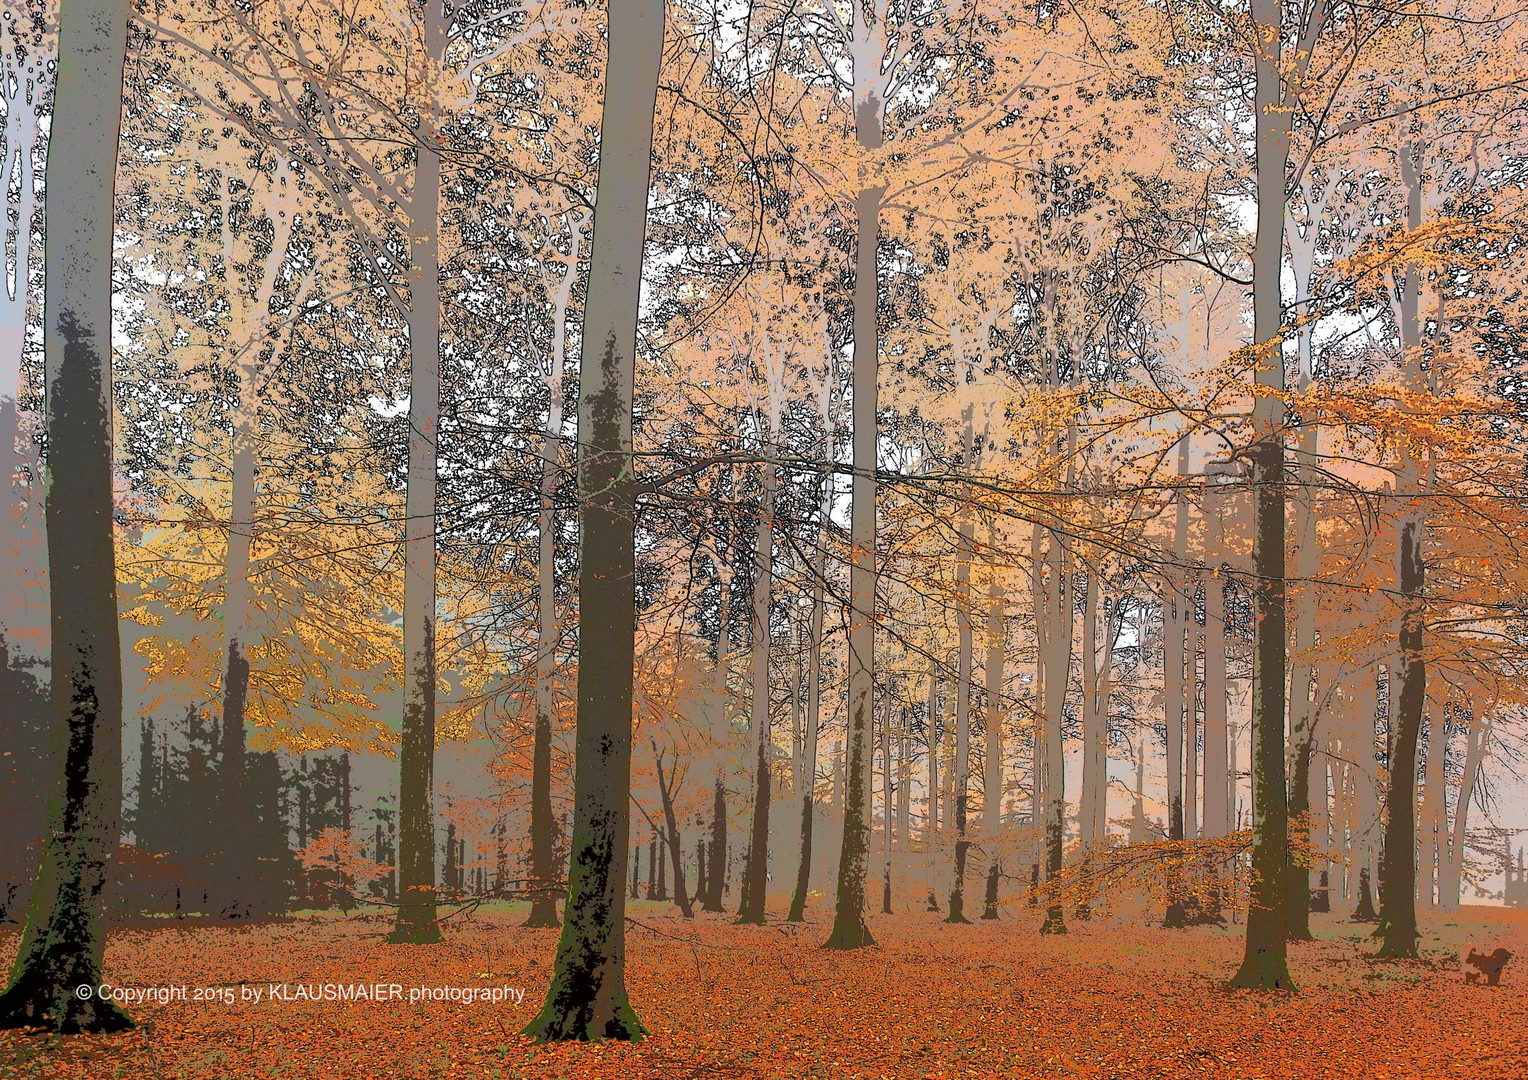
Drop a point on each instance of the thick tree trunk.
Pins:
(62, 942)
(587, 996)
(752, 908)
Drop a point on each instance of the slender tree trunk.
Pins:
(416, 922)
(1057, 675)
(20, 522)
(1265, 964)
(886, 789)
(849, 929)
(992, 781)
(543, 874)
(1217, 764)
(752, 908)
(1174, 622)
(1474, 751)
(964, 664)
(813, 695)
(1397, 927)
(717, 873)
(62, 941)
(935, 747)
(671, 835)
(587, 996)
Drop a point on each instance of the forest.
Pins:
(763, 538)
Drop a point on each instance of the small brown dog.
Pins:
(1487, 964)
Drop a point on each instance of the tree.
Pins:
(1265, 965)
(587, 996)
(62, 943)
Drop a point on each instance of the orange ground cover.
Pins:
(986, 1000)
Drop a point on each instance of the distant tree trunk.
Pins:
(886, 788)
(964, 664)
(61, 942)
(752, 908)
(1058, 664)
(1175, 620)
(813, 691)
(249, 319)
(1453, 869)
(716, 869)
(849, 929)
(932, 816)
(992, 781)
(543, 875)
(587, 996)
(1217, 765)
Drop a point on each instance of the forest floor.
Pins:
(994, 999)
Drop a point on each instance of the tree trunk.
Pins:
(1058, 664)
(543, 874)
(1174, 622)
(964, 665)
(587, 997)
(416, 921)
(1398, 871)
(716, 874)
(1217, 765)
(849, 929)
(62, 941)
(813, 690)
(992, 781)
(931, 820)
(752, 908)
(1474, 751)
(1265, 964)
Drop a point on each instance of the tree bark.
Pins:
(587, 997)
(62, 941)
